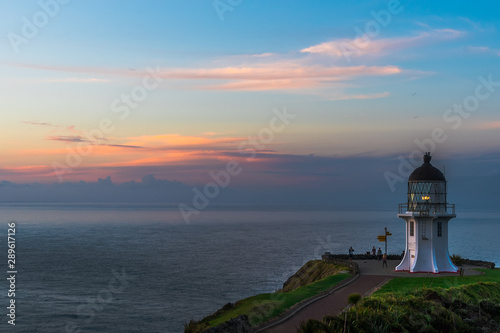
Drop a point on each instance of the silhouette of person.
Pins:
(351, 252)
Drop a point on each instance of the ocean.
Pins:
(141, 268)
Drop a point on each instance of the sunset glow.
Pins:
(196, 91)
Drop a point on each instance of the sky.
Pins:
(292, 102)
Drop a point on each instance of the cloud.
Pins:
(150, 190)
(264, 55)
(66, 138)
(122, 146)
(480, 27)
(142, 151)
(278, 71)
(77, 138)
(360, 96)
(365, 46)
(70, 128)
(291, 75)
(296, 78)
(182, 142)
(298, 71)
(78, 80)
(40, 123)
(480, 50)
(489, 125)
(271, 178)
(257, 85)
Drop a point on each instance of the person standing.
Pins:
(384, 260)
(374, 252)
(379, 254)
(351, 252)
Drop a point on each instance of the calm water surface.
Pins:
(142, 269)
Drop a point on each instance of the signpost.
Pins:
(383, 238)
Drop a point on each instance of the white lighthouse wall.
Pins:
(404, 265)
(440, 243)
(424, 255)
(427, 249)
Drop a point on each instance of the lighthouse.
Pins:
(426, 214)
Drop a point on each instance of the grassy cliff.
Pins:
(314, 278)
(448, 304)
(311, 272)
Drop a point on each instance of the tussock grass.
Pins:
(468, 304)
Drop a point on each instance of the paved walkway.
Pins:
(374, 267)
(372, 275)
(329, 305)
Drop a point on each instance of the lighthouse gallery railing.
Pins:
(427, 209)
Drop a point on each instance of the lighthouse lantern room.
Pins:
(427, 214)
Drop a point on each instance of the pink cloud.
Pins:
(283, 77)
(366, 46)
(182, 142)
(256, 85)
(489, 125)
(278, 75)
(264, 55)
(279, 72)
(168, 149)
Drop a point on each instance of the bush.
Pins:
(353, 299)
(468, 308)
(457, 260)
(313, 326)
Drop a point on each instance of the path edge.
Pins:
(288, 314)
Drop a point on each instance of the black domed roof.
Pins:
(426, 171)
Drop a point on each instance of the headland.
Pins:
(325, 288)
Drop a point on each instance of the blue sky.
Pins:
(368, 95)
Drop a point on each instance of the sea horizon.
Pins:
(191, 269)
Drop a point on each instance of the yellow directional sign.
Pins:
(387, 233)
(381, 238)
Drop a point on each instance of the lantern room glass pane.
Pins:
(427, 196)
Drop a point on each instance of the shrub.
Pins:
(457, 260)
(468, 308)
(353, 299)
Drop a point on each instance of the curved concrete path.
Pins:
(372, 275)
(330, 305)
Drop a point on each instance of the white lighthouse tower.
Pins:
(426, 214)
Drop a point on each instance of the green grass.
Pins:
(404, 285)
(263, 307)
(312, 271)
(469, 307)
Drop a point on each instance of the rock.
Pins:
(239, 324)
